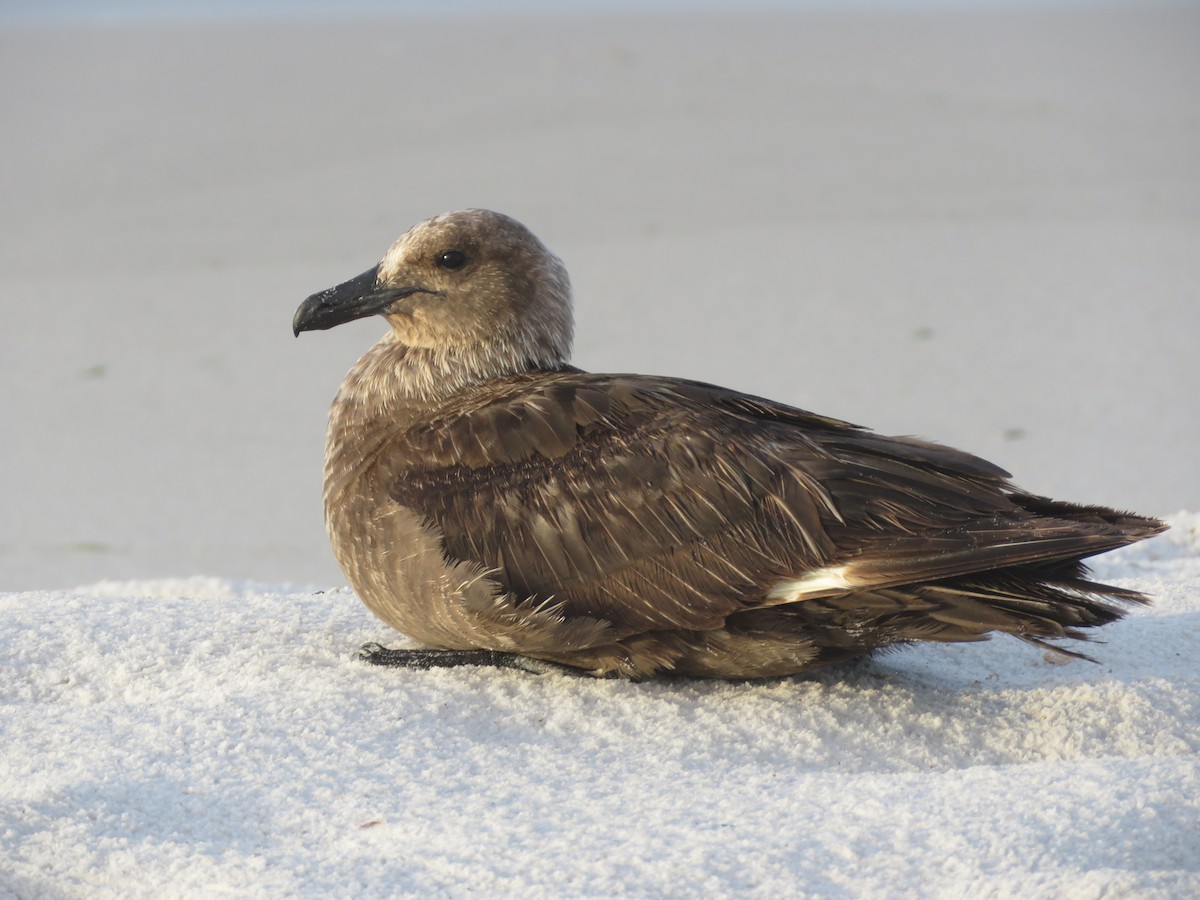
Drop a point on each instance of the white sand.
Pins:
(981, 228)
(206, 738)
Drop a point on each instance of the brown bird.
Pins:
(489, 500)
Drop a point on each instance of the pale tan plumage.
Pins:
(481, 494)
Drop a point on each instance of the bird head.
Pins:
(466, 282)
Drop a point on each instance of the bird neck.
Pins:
(392, 374)
(394, 387)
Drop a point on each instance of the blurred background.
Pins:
(975, 222)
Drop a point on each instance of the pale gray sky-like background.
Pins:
(163, 10)
(978, 225)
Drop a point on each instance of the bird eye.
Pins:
(452, 259)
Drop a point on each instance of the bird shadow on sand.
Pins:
(916, 709)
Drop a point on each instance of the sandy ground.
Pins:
(201, 738)
(980, 228)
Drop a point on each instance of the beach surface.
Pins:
(979, 227)
(200, 737)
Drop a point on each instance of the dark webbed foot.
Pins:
(379, 655)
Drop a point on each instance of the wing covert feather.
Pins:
(659, 503)
(615, 498)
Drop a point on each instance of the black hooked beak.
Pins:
(345, 302)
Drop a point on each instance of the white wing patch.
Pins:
(817, 583)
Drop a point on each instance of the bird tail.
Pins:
(1125, 527)
(1037, 602)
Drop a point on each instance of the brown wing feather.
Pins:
(657, 503)
(614, 497)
